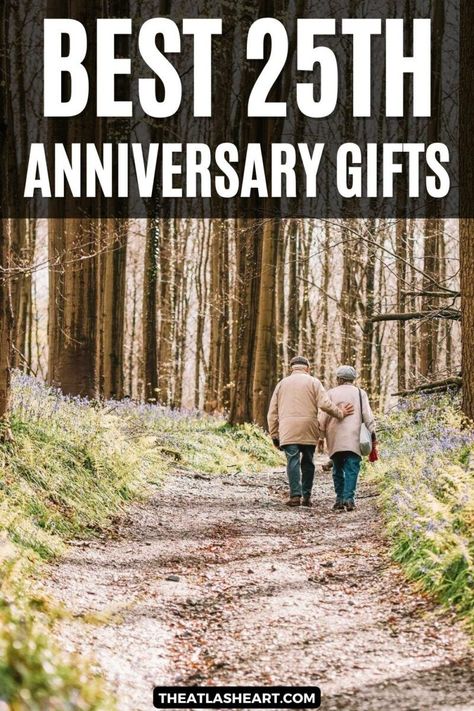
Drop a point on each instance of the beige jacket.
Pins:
(293, 413)
(345, 436)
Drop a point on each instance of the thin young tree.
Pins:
(429, 330)
(6, 314)
(151, 277)
(6, 317)
(369, 307)
(149, 314)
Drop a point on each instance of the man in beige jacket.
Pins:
(293, 425)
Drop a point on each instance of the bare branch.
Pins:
(436, 386)
(449, 314)
(434, 294)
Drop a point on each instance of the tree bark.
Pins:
(467, 289)
(368, 333)
(324, 335)
(293, 322)
(6, 316)
(466, 113)
(214, 382)
(77, 360)
(349, 300)
(248, 287)
(401, 242)
(429, 329)
(434, 229)
(113, 308)
(266, 346)
(115, 232)
(166, 291)
(6, 321)
(57, 133)
(149, 322)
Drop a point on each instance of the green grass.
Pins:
(72, 468)
(427, 493)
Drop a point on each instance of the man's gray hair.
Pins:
(299, 360)
(346, 372)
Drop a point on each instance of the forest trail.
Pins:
(215, 580)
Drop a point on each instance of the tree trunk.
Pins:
(306, 345)
(150, 327)
(466, 113)
(248, 260)
(281, 301)
(429, 330)
(213, 400)
(6, 320)
(113, 308)
(349, 298)
(6, 317)
(324, 335)
(166, 291)
(413, 329)
(266, 346)
(201, 292)
(401, 246)
(77, 361)
(379, 338)
(293, 323)
(74, 302)
(132, 349)
(225, 361)
(22, 259)
(467, 290)
(248, 288)
(429, 327)
(22, 237)
(368, 334)
(57, 133)
(112, 275)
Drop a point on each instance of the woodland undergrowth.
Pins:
(70, 471)
(426, 481)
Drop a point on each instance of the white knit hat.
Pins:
(346, 372)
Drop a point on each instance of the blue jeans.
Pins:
(300, 468)
(345, 472)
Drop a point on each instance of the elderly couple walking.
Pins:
(302, 414)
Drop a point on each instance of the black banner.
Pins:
(217, 109)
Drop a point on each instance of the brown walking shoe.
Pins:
(307, 501)
(294, 501)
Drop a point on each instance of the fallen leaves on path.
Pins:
(222, 584)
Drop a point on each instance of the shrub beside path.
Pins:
(214, 581)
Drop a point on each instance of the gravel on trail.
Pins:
(215, 581)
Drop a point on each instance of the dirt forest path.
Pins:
(215, 581)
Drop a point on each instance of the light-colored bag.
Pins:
(365, 442)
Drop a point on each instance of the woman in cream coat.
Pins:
(343, 436)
